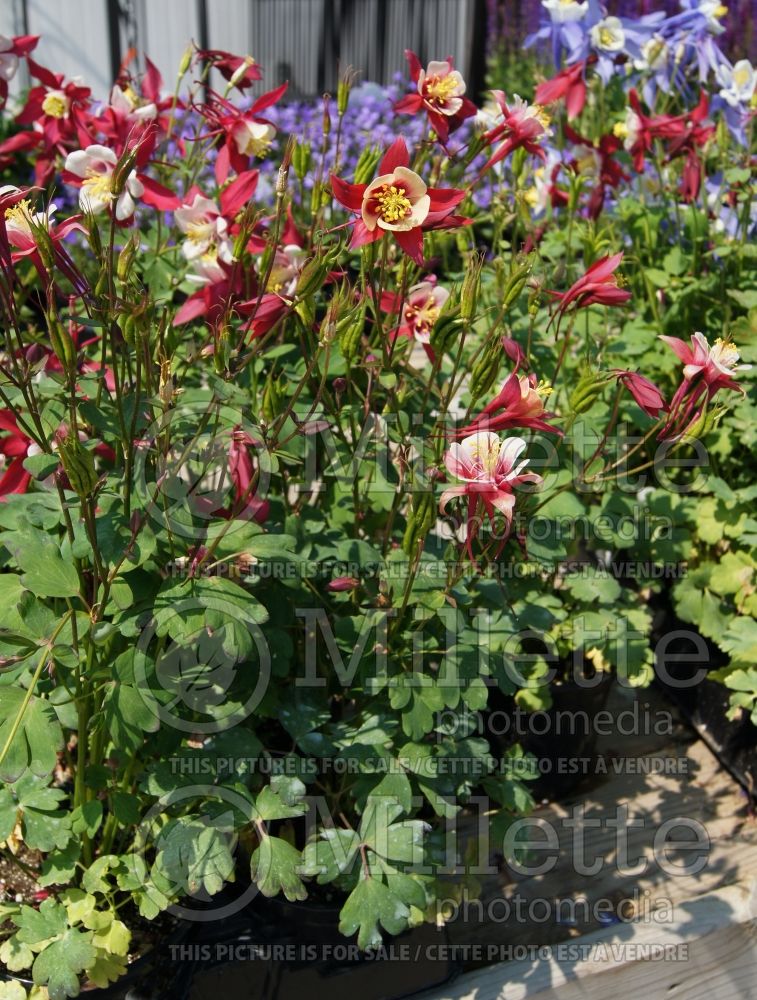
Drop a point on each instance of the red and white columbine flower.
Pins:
(707, 369)
(94, 167)
(518, 126)
(598, 286)
(440, 92)
(397, 201)
(421, 310)
(717, 364)
(205, 229)
(490, 472)
(519, 403)
(11, 50)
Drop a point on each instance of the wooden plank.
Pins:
(710, 953)
(712, 910)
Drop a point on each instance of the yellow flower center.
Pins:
(393, 203)
(543, 115)
(55, 104)
(257, 145)
(741, 76)
(197, 232)
(620, 130)
(725, 353)
(440, 88)
(543, 389)
(532, 197)
(721, 11)
(97, 185)
(606, 38)
(19, 215)
(424, 316)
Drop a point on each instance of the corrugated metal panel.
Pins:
(74, 39)
(304, 41)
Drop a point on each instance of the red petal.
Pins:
(411, 242)
(266, 100)
(349, 195)
(396, 156)
(414, 65)
(158, 196)
(238, 193)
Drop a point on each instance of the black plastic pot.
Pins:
(705, 704)
(562, 738)
(156, 975)
(276, 950)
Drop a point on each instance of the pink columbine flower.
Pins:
(490, 472)
(519, 403)
(519, 125)
(646, 393)
(421, 310)
(205, 229)
(569, 84)
(599, 286)
(397, 201)
(717, 364)
(247, 505)
(706, 371)
(94, 166)
(440, 92)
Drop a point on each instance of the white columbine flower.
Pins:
(563, 11)
(608, 35)
(737, 82)
(95, 166)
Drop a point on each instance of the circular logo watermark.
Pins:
(202, 664)
(199, 462)
(195, 852)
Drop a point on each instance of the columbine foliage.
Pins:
(311, 444)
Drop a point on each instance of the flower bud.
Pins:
(186, 60)
(344, 87)
(326, 115)
(78, 465)
(301, 157)
(126, 259)
(471, 285)
(588, 389)
(366, 164)
(62, 343)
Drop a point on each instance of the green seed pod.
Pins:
(343, 90)
(351, 333)
(420, 521)
(301, 158)
(126, 260)
(127, 323)
(273, 398)
(589, 388)
(312, 276)
(485, 370)
(122, 170)
(62, 343)
(516, 282)
(446, 331)
(366, 164)
(470, 289)
(704, 423)
(79, 466)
